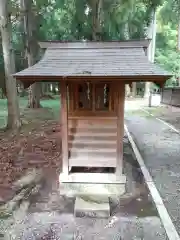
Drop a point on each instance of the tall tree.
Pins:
(176, 10)
(31, 48)
(9, 65)
(151, 34)
(96, 12)
(167, 39)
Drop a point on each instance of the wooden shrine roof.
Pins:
(120, 60)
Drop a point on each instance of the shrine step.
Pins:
(92, 208)
(105, 178)
(86, 153)
(92, 149)
(92, 141)
(93, 125)
(92, 138)
(93, 160)
(92, 184)
(93, 130)
(93, 146)
(94, 134)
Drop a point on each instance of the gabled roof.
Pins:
(122, 60)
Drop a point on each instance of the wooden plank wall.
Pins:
(171, 96)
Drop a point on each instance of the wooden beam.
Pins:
(126, 79)
(64, 124)
(71, 97)
(120, 126)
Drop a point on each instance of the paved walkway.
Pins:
(160, 149)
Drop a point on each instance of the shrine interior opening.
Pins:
(89, 98)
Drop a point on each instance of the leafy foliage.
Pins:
(167, 53)
(70, 20)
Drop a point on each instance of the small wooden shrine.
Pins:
(92, 77)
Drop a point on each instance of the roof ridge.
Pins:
(95, 44)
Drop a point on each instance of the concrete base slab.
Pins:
(90, 190)
(91, 208)
(103, 178)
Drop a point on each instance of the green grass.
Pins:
(155, 110)
(54, 104)
(138, 112)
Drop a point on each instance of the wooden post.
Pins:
(64, 124)
(120, 126)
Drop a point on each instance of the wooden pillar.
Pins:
(120, 126)
(64, 126)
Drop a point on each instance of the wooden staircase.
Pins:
(92, 143)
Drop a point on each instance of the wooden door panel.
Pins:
(84, 96)
(102, 96)
(95, 98)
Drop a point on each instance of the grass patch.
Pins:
(137, 112)
(53, 104)
(155, 110)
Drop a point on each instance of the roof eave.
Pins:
(158, 78)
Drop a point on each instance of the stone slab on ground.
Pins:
(159, 147)
(102, 190)
(95, 178)
(85, 208)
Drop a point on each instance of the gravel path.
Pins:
(160, 149)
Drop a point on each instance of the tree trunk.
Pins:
(9, 64)
(133, 91)
(129, 91)
(49, 87)
(54, 88)
(154, 25)
(151, 49)
(96, 19)
(24, 62)
(34, 96)
(178, 45)
(31, 47)
(126, 31)
(45, 89)
(126, 37)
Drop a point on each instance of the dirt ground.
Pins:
(37, 145)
